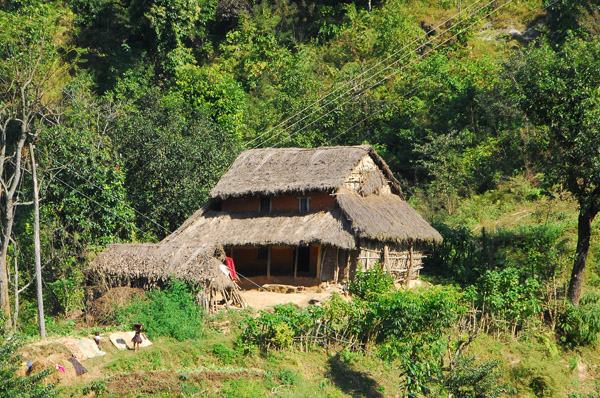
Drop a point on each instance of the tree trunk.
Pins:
(4, 297)
(37, 246)
(10, 186)
(584, 227)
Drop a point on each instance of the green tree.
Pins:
(561, 95)
(172, 151)
(32, 71)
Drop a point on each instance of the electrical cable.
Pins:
(403, 96)
(96, 186)
(378, 73)
(394, 73)
(363, 73)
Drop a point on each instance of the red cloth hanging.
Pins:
(231, 266)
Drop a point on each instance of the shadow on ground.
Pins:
(353, 382)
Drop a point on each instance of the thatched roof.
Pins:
(385, 217)
(152, 265)
(159, 262)
(244, 229)
(277, 171)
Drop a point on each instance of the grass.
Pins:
(532, 366)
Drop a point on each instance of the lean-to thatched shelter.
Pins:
(309, 215)
(152, 265)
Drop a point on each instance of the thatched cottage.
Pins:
(308, 214)
(314, 213)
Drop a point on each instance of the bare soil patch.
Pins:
(277, 294)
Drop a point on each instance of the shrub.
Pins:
(224, 353)
(458, 256)
(170, 312)
(372, 281)
(579, 326)
(471, 379)
(279, 328)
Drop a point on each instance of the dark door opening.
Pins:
(304, 259)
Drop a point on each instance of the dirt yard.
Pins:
(276, 291)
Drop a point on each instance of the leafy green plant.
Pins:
(169, 312)
(580, 326)
(371, 281)
(97, 387)
(224, 353)
(469, 379)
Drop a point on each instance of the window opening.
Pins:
(265, 205)
(303, 205)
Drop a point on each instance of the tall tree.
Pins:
(36, 244)
(561, 94)
(30, 70)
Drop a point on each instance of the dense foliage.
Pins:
(136, 108)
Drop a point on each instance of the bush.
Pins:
(170, 312)
(470, 379)
(224, 353)
(372, 281)
(279, 328)
(579, 326)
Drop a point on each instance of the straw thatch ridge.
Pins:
(246, 229)
(385, 217)
(153, 265)
(278, 171)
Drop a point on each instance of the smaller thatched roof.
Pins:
(278, 171)
(244, 229)
(385, 217)
(157, 263)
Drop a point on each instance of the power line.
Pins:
(404, 96)
(360, 75)
(397, 71)
(374, 75)
(96, 186)
(96, 202)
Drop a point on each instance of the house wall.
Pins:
(363, 176)
(246, 260)
(283, 258)
(395, 259)
(240, 205)
(319, 201)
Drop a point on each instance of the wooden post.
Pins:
(268, 262)
(319, 263)
(337, 265)
(296, 262)
(386, 259)
(37, 246)
(322, 255)
(410, 263)
(347, 266)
